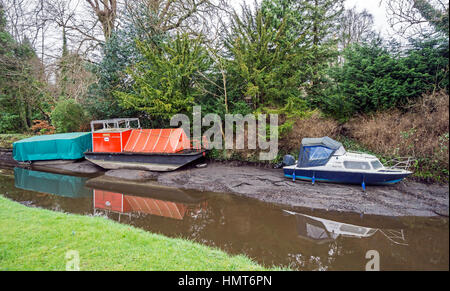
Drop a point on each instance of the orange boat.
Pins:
(117, 145)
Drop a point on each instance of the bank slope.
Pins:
(38, 239)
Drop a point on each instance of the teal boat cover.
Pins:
(66, 146)
(60, 185)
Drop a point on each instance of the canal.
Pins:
(301, 239)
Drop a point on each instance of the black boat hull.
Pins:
(142, 161)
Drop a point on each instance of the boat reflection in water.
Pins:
(143, 199)
(49, 183)
(322, 230)
(128, 204)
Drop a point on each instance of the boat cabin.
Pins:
(118, 136)
(317, 152)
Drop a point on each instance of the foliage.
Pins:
(277, 51)
(68, 116)
(435, 17)
(295, 58)
(418, 18)
(164, 82)
(19, 84)
(420, 133)
(263, 61)
(373, 78)
(119, 52)
(42, 127)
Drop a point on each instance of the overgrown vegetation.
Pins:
(68, 116)
(421, 132)
(376, 78)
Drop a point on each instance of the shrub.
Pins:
(314, 125)
(374, 77)
(42, 127)
(68, 116)
(422, 133)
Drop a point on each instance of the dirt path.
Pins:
(269, 185)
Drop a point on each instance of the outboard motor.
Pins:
(288, 160)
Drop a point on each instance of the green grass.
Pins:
(7, 140)
(38, 239)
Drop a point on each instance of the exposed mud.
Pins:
(269, 185)
(6, 158)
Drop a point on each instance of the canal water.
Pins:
(271, 235)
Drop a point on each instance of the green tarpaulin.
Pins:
(61, 185)
(67, 146)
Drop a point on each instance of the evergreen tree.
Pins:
(164, 82)
(375, 78)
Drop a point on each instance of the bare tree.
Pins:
(23, 19)
(161, 16)
(106, 12)
(355, 26)
(81, 29)
(418, 17)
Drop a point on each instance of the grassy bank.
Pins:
(37, 239)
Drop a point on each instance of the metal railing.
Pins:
(403, 163)
(115, 123)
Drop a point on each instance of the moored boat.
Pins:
(324, 159)
(117, 145)
(52, 148)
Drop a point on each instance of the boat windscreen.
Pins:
(377, 165)
(313, 156)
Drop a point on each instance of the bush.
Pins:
(422, 133)
(68, 116)
(312, 125)
(9, 122)
(374, 78)
(42, 127)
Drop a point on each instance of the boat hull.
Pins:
(148, 162)
(379, 178)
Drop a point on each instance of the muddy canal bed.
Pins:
(271, 234)
(269, 185)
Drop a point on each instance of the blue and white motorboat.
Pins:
(324, 159)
